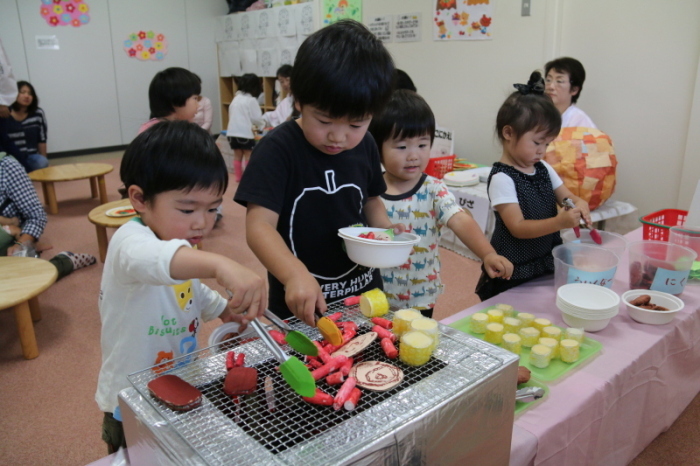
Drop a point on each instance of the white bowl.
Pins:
(221, 331)
(647, 316)
(587, 297)
(588, 325)
(375, 253)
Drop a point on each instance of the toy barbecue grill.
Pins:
(288, 430)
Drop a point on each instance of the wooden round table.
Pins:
(22, 279)
(70, 172)
(98, 217)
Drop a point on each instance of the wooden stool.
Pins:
(75, 171)
(22, 279)
(98, 217)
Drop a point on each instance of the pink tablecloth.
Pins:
(610, 408)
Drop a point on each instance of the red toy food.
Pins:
(384, 333)
(389, 348)
(241, 381)
(175, 393)
(278, 337)
(335, 378)
(344, 393)
(320, 398)
(387, 324)
(351, 301)
(354, 398)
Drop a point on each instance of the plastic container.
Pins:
(438, 166)
(584, 263)
(612, 241)
(218, 334)
(660, 266)
(375, 253)
(690, 238)
(657, 224)
(648, 316)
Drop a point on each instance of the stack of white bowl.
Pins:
(587, 306)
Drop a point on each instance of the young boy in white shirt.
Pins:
(151, 300)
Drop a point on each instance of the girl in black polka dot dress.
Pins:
(524, 190)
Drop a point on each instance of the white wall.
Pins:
(641, 59)
(93, 94)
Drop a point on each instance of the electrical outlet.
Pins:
(525, 8)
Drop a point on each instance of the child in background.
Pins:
(404, 133)
(524, 190)
(205, 114)
(173, 95)
(314, 175)
(284, 107)
(563, 84)
(151, 300)
(244, 113)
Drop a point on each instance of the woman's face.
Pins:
(284, 83)
(25, 97)
(558, 88)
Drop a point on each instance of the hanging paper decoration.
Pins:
(65, 12)
(462, 20)
(335, 10)
(146, 45)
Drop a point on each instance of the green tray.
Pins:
(521, 406)
(556, 368)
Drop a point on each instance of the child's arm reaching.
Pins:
(249, 294)
(527, 229)
(377, 217)
(469, 232)
(303, 294)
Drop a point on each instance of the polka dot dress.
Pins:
(531, 257)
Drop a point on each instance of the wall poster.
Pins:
(335, 10)
(462, 19)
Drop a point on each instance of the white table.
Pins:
(612, 406)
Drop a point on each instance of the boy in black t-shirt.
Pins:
(311, 176)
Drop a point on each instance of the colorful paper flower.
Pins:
(128, 44)
(83, 8)
(57, 1)
(46, 2)
(150, 34)
(160, 37)
(142, 35)
(75, 23)
(159, 55)
(57, 9)
(159, 46)
(145, 55)
(84, 19)
(44, 12)
(134, 37)
(70, 8)
(148, 44)
(53, 20)
(139, 47)
(152, 50)
(132, 52)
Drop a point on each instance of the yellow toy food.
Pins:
(511, 324)
(569, 350)
(495, 315)
(512, 343)
(478, 322)
(494, 333)
(429, 327)
(415, 348)
(540, 356)
(530, 336)
(373, 303)
(402, 320)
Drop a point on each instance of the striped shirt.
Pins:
(18, 197)
(28, 133)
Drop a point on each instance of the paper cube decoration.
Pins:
(585, 160)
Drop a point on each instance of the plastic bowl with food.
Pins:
(377, 253)
(650, 316)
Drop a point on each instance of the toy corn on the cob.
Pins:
(574, 334)
(512, 324)
(541, 323)
(402, 320)
(429, 327)
(479, 322)
(494, 333)
(512, 343)
(552, 332)
(552, 344)
(373, 303)
(540, 356)
(530, 336)
(415, 348)
(526, 319)
(507, 309)
(569, 350)
(495, 315)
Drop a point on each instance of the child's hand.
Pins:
(13, 230)
(303, 296)
(569, 218)
(228, 316)
(248, 294)
(585, 212)
(9, 221)
(398, 228)
(498, 266)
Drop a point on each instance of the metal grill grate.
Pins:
(221, 431)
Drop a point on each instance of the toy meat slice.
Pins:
(356, 345)
(241, 381)
(376, 375)
(175, 393)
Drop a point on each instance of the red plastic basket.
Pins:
(438, 166)
(658, 224)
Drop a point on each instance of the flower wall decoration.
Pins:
(146, 45)
(65, 12)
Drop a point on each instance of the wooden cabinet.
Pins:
(228, 88)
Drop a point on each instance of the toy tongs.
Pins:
(595, 235)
